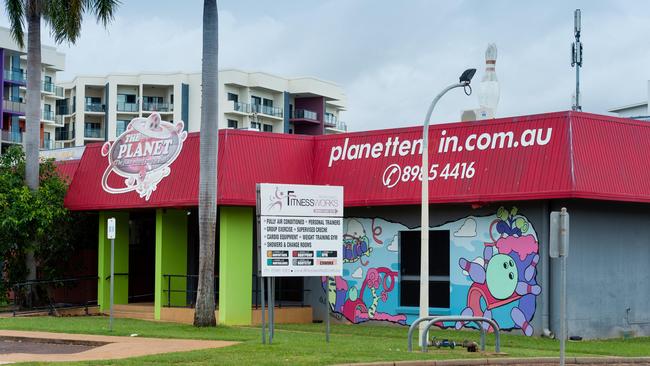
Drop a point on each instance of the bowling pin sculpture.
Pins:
(488, 89)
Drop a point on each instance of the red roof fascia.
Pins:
(588, 156)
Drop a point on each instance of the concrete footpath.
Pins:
(542, 361)
(103, 347)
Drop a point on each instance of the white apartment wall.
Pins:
(243, 84)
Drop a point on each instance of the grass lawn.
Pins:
(305, 343)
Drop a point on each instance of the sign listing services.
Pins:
(300, 230)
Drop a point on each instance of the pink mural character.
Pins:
(379, 282)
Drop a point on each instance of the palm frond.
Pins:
(16, 14)
(65, 18)
(104, 10)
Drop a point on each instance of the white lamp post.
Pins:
(464, 81)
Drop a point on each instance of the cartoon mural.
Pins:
(492, 273)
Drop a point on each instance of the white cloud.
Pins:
(390, 68)
(467, 230)
(392, 246)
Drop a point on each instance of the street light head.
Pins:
(466, 76)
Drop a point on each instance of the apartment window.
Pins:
(232, 123)
(438, 268)
(93, 100)
(256, 100)
(268, 128)
(233, 97)
(268, 103)
(256, 125)
(153, 100)
(15, 94)
(126, 98)
(47, 107)
(120, 127)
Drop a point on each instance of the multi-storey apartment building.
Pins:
(98, 108)
(13, 60)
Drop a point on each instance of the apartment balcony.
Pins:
(47, 145)
(64, 135)
(128, 107)
(304, 114)
(48, 87)
(157, 107)
(14, 76)
(13, 107)
(13, 137)
(93, 132)
(58, 91)
(65, 110)
(58, 120)
(330, 120)
(269, 111)
(48, 115)
(95, 107)
(339, 126)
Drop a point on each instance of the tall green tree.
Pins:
(205, 303)
(64, 18)
(28, 216)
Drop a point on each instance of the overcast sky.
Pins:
(391, 58)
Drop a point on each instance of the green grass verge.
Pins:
(304, 344)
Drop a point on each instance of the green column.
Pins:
(121, 287)
(235, 265)
(171, 259)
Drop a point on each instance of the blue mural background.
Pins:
(492, 270)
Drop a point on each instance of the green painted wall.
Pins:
(235, 265)
(121, 287)
(171, 258)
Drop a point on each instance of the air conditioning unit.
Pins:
(477, 114)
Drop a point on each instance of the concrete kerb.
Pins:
(515, 361)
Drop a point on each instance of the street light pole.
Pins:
(465, 79)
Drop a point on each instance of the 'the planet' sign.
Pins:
(142, 154)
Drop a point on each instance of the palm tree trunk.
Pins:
(33, 111)
(205, 302)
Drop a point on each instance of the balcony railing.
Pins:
(94, 107)
(48, 115)
(11, 106)
(271, 111)
(93, 132)
(58, 91)
(127, 107)
(47, 145)
(305, 114)
(157, 107)
(64, 135)
(12, 136)
(14, 75)
(241, 107)
(58, 120)
(48, 87)
(330, 119)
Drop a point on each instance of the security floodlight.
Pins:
(466, 76)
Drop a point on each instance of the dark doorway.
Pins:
(142, 256)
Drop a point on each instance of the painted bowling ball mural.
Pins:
(492, 271)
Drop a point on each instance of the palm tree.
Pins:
(205, 306)
(64, 18)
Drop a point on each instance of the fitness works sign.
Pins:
(142, 154)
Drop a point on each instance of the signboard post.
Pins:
(110, 234)
(300, 228)
(559, 248)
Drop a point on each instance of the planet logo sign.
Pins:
(142, 154)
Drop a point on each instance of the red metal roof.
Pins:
(67, 168)
(573, 155)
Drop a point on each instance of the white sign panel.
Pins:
(300, 231)
(110, 228)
